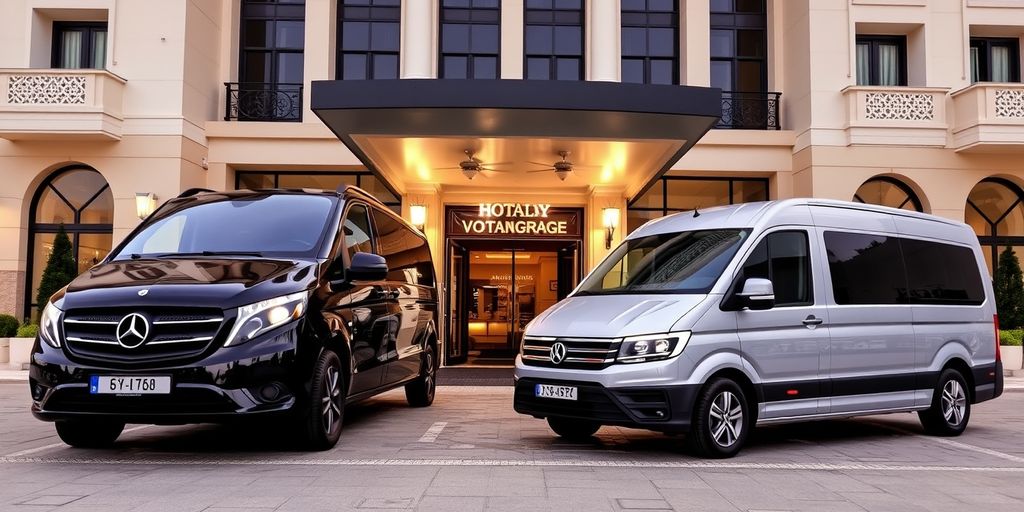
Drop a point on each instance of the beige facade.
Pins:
(153, 119)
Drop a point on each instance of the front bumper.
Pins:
(228, 384)
(659, 408)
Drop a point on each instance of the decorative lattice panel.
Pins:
(1010, 103)
(899, 106)
(46, 90)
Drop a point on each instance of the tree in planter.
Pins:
(1009, 288)
(61, 268)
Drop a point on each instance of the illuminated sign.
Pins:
(514, 220)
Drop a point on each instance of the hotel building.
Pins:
(526, 137)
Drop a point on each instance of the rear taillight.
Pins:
(995, 325)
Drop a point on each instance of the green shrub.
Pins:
(60, 269)
(1009, 288)
(1011, 337)
(28, 331)
(8, 326)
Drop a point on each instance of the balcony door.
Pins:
(270, 65)
(79, 45)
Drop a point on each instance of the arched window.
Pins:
(78, 198)
(995, 211)
(886, 191)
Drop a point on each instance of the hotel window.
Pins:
(882, 60)
(739, 45)
(78, 45)
(886, 191)
(554, 39)
(323, 180)
(673, 194)
(650, 41)
(470, 39)
(368, 35)
(995, 60)
(995, 209)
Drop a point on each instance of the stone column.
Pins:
(604, 40)
(419, 39)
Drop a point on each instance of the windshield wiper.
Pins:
(209, 253)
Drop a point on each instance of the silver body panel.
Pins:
(774, 347)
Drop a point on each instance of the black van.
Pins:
(245, 304)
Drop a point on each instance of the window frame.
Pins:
(470, 55)
(276, 174)
(273, 50)
(343, 247)
(553, 57)
(369, 54)
(831, 281)
(734, 21)
(667, 209)
(994, 241)
(984, 46)
(647, 58)
(911, 195)
(86, 53)
(874, 42)
(732, 303)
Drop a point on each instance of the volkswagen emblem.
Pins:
(142, 293)
(132, 330)
(558, 352)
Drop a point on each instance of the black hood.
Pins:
(223, 283)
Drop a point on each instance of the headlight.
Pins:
(258, 318)
(49, 325)
(652, 347)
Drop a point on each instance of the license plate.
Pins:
(129, 385)
(559, 392)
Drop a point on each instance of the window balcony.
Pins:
(255, 101)
(60, 103)
(902, 116)
(989, 117)
(750, 111)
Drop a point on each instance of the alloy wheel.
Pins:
(954, 402)
(331, 401)
(726, 419)
(428, 379)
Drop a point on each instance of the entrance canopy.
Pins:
(417, 131)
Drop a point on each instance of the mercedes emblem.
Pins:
(558, 352)
(132, 330)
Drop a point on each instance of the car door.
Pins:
(402, 248)
(363, 305)
(788, 344)
(873, 340)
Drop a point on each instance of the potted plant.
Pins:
(1009, 288)
(8, 328)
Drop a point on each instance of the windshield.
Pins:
(281, 225)
(687, 262)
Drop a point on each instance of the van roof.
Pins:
(749, 215)
(342, 191)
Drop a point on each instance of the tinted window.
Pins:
(687, 262)
(941, 274)
(866, 269)
(407, 253)
(357, 230)
(784, 258)
(274, 225)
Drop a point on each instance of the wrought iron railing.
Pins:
(263, 102)
(750, 111)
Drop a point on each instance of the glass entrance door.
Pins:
(496, 288)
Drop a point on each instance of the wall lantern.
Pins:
(610, 216)
(418, 216)
(145, 203)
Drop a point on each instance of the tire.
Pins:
(573, 429)
(951, 406)
(89, 434)
(321, 421)
(716, 436)
(420, 392)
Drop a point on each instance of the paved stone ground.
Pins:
(471, 452)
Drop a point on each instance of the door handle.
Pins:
(813, 320)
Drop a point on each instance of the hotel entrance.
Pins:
(504, 268)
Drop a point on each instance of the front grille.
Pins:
(581, 353)
(173, 333)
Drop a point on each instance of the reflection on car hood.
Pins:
(610, 316)
(222, 282)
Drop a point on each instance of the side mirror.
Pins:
(367, 267)
(758, 294)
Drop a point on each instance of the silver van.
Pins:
(709, 323)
